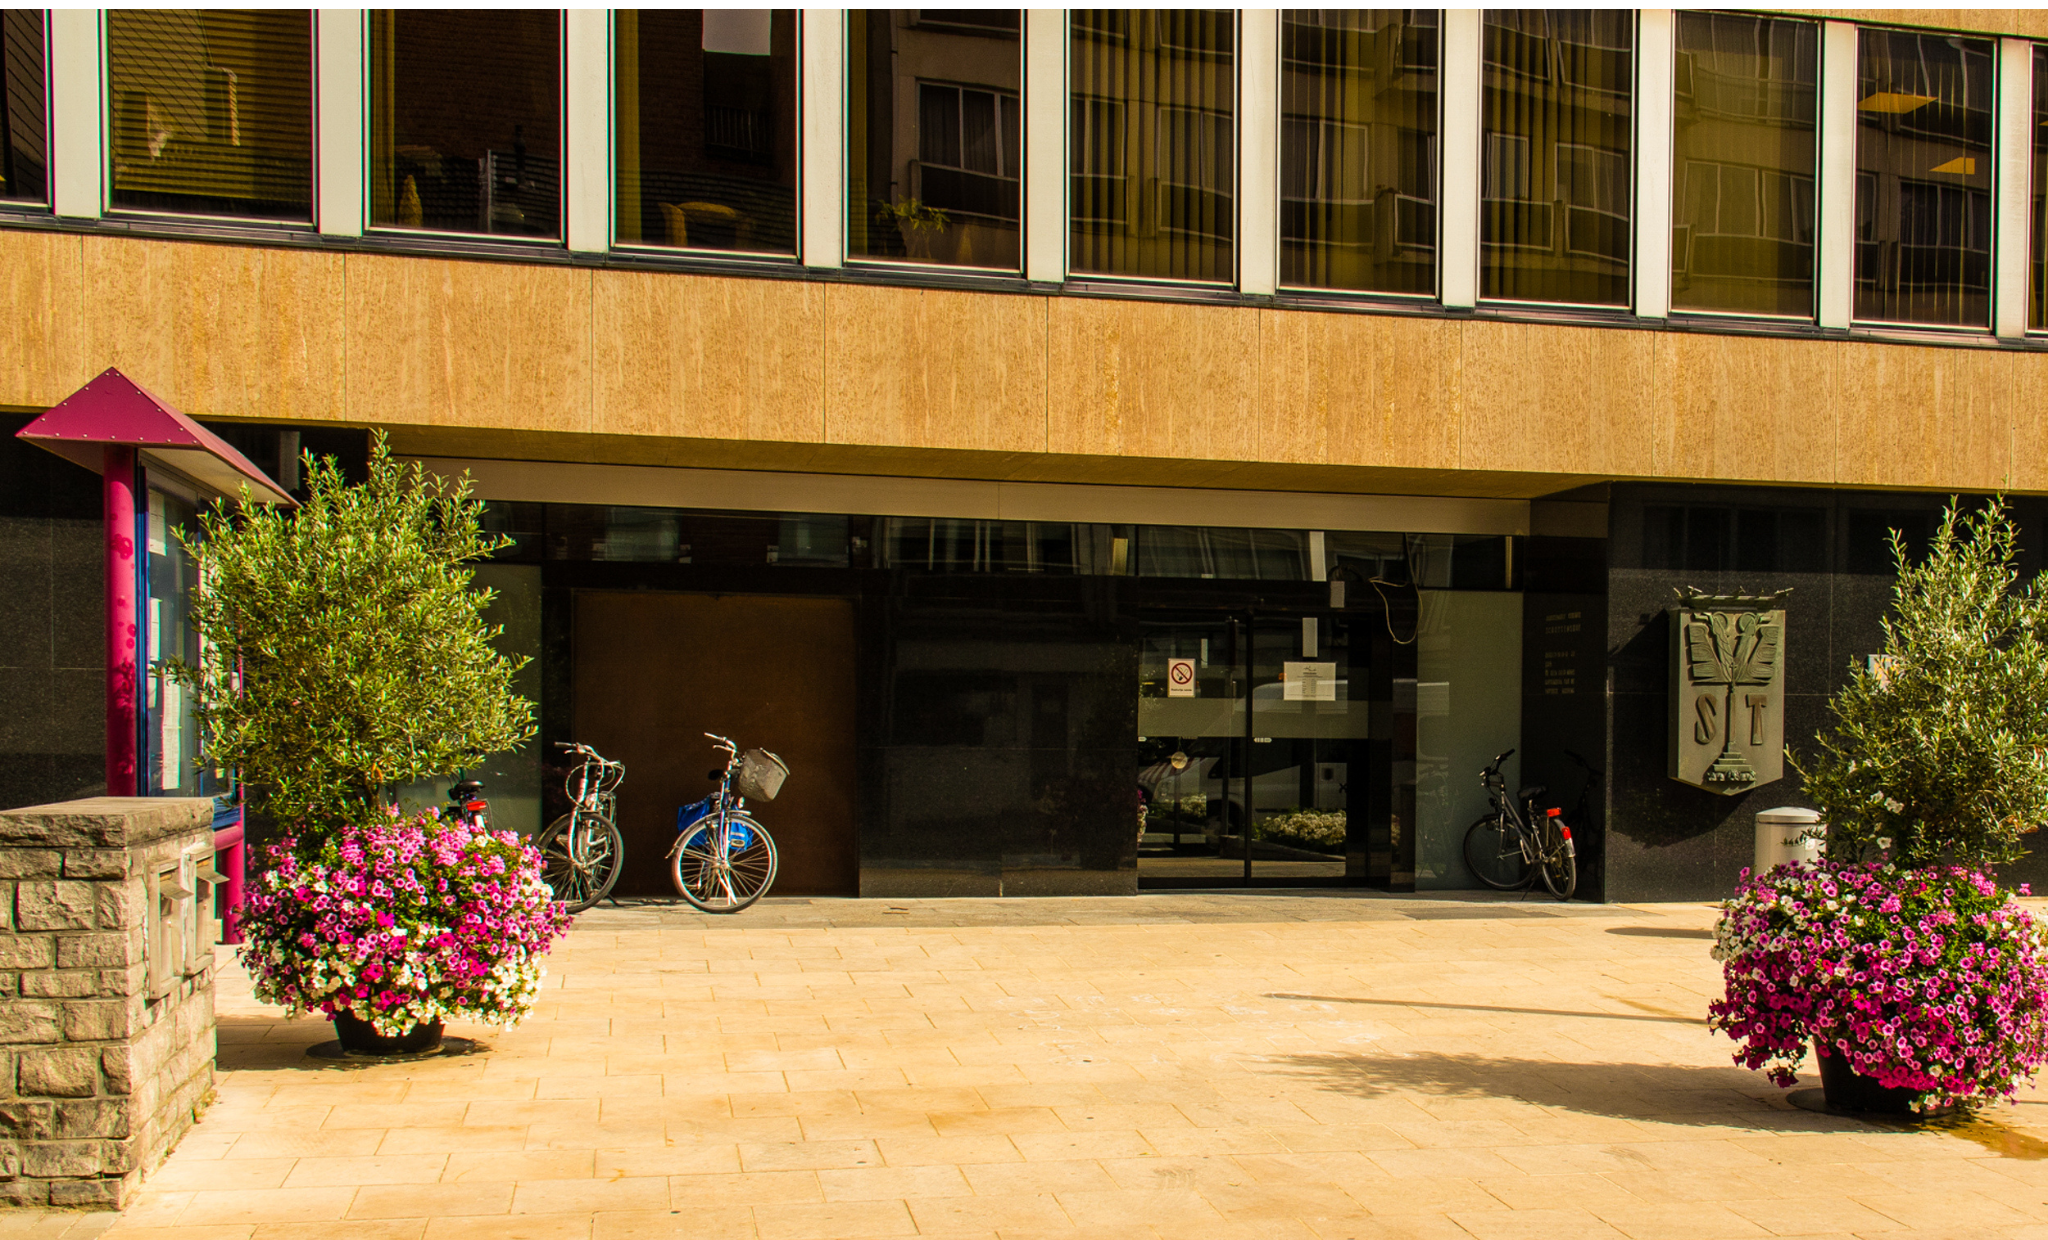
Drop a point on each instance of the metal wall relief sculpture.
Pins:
(1727, 694)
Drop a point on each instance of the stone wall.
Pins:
(106, 1016)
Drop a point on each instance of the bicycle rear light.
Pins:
(1552, 812)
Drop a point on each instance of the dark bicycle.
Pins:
(1513, 845)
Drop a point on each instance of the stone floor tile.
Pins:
(63, 1226)
(266, 1205)
(1166, 1210)
(452, 1140)
(222, 1173)
(1943, 1209)
(1691, 1221)
(1565, 1224)
(842, 1220)
(1804, 1216)
(510, 1227)
(430, 1200)
(1038, 1178)
(1063, 1146)
(1000, 1214)
(349, 1229)
(888, 1183)
(808, 1155)
(591, 1195)
(696, 1221)
(899, 1151)
(759, 1187)
(372, 1169)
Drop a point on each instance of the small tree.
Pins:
(1941, 748)
(344, 648)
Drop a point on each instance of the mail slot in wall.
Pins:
(180, 928)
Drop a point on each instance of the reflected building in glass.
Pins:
(1923, 178)
(24, 134)
(1556, 141)
(935, 136)
(1743, 163)
(1358, 149)
(704, 128)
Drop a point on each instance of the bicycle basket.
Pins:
(760, 775)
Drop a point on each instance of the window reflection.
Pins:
(1923, 178)
(211, 111)
(1153, 145)
(705, 123)
(934, 135)
(23, 135)
(465, 119)
(1556, 143)
(1743, 165)
(1358, 149)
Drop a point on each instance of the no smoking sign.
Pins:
(1180, 678)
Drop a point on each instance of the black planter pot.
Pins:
(1849, 1090)
(361, 1037)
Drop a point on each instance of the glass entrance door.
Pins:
(1234, 799)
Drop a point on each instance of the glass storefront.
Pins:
(1923, 178)
(935, 136)
(1557, 120)
(1153, 143)
(1358, 143)
(704, 120)
(1743, 165)
(24, 136)
(211, 111)
(466, 121)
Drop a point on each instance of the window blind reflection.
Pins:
(1743, 164)
(465, 120)
(211, 111)
(1358, 147)
(1556, 140)
(1153, 145)
(934, 135)
(1923, 178)
(23, 87)
(705, 125)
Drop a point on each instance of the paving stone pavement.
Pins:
(1306, 1066)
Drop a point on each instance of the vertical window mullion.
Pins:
(2014, 189)
(1653, 178)
(1459, 160)
(338, 115)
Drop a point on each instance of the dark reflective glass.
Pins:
(465, 120)
(2037, 230)
(1743, 164)
(1153, 143)
(211, 111)
(1923, 178)
(24, 87)
(1556, 140)
(934, 135)
(1358, 149)
(705, 125)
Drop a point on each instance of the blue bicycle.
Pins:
(723, 860)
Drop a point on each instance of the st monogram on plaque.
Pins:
(1727, 691)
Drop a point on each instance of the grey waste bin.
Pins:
(1778, 839)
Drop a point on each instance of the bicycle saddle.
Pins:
(1531, 792)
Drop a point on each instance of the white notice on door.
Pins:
(1308, 682)
(1180, 678)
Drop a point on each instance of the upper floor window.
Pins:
(1358, 132)
(1923, 178)
(935, 136)
(1154, 145)
(1556, 115)
(211, 111)
(1743, 162)
(24, 87)
(704, 116)
(466, 120)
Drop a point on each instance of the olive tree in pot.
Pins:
(344, 651)
(1917, 979)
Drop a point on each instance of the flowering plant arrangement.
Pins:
(1929, 979)
(402, 922)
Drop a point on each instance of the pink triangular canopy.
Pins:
(114, 410)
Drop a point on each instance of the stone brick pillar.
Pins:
(106, 993)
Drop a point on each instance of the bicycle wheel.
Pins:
(1560, 861)
(724, 876)
(1493, 851)
(580, 859)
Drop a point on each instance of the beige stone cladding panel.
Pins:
(2024, 384)
(1553, 399)
(218, 330)
(706, 357)
(500, 345)
(42, 358)
(1358, 389)
(2030, 23)
(1915, 416)
(1156, 380)
(1750, 409)
(935, 369)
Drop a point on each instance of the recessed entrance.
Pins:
(654, 671)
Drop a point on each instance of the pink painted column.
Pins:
(124, 647)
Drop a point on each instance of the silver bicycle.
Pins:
(582, 851)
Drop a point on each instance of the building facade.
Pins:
(1099, 449)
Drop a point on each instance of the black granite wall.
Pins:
(52, 637)
(1666, 840)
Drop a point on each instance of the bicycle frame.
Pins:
(719, 806)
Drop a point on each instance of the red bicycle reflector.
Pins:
(475, 806)
(1552, 813)
(1567, 830)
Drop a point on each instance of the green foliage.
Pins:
(364, 657)
(1942, 750)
